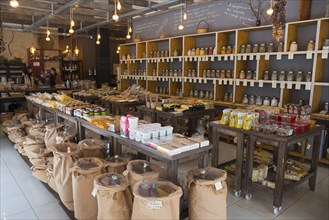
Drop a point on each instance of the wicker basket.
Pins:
(137, 38)
(6, 116)
(202, 30)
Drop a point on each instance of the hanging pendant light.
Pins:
(14, 3)
(181, 27)
(48, 32)
(115, 16)
(269, 11)
(71, 31)
(185, 13)
(98, 36)
(33, 49)
(118, 49)
(130, 30)
(76, 51)
(119, 5)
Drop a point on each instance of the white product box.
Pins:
(203, 142)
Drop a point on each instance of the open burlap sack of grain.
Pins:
(33, 124)
(6, 124)
(114, 199)
(92, 148)
(51, 178)
(16, 135)
(117, 164)
(156, 200)
(67, 135)
(83, 174)
(65, 155)
(207, 192)
(51, 133)
(22, 117)
(138, 170)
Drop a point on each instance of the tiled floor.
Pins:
(24, 197)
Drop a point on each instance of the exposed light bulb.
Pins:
(72, 23)
(119, 5)
(48, 32)
(117, 51)
(130, 30)
(32, 49)
(71, 31)
(115, 17)
(47, 38)
(76, 51)
(128, 36)
(119, 48)
(185, 15)
(98, 36)
(180, 27)
(14, 3)
(98, 42)
(269, 11)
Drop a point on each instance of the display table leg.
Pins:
(314, 162)
(215, 142)
(239, 162)
(249, 163)
(172, 171)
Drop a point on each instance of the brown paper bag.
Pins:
(50, 135)
(92, 148)
(85, 205)
(157, 208)
(117, 164)
(64, 157)
(16, 135)
(114, 201)
(207, 198)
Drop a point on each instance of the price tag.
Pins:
(140, 61)
(279, 56)
(220, 81)
(200, 80)
(186, 58)
(180, 79)
(204, 81)
(214, 82)
(261, 83)
(191, 59)
(309, 55)
(225, 81)
(206, 58)
(154, 204)
(194, 80)
(290, 56)
(239, 57)
(289, 85)
(231, 57)
(230, 82)
(94, 192)
(237, 82)
(297, 86)
(218, 186)
(212, 59)
(308, 86)
(252, 83)
(282, 84)
(225, 58)
(180, 59)
(267, 56)
(324, 54)
(258, 56)
(273, 85)
(251, 57)
(245, 82)
(244, 57)
(185, 80)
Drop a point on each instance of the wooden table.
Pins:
(144, 111)
(282, 144)
(120, 108)
(88, 99)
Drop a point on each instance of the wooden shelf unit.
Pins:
(316, 61)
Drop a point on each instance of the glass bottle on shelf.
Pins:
(222, 74)
(211, 95)
(204, 73)
(189, 73)
(223, 50)
(177, 92)
(243, 48)
(213, 73)
(254, 75)
(171, 73)
(290, 76)
(166, 53)
(248, 48)
(191, 93)
(252, 100)
(201, 94)
(266, 101)
(245, 99)
(274, 102)
(242, 74)
(325, 44)
(262, 48)
(208, 73)
(206, 51)
(229, 50)
(218, 73)
(158, 53)
(293, 46)
(196, 93)
(310, 45)
(206, 96)
(308, 76)
(230, 99)
(228, 74)
(160, 90)
(175, 53)
(282, 76)
(189, 52)
(259, 100)
(202, 52)
(197, 52)
(299, 76)
(249, 75)
(274, 75)
(211, 51)
(266, 75)
(179, 72)
(270, 48)
(255, 48)
(280, 47)
(156, 89)
(154, 72)
(193, 73)
(225, 97)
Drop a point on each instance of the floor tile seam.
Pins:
(9, 216)
(57, 202)
(265, 218)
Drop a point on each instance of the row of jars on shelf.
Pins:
(249, 75)
(290, 76)
(201, 51)
(201, 94)
(139, 72)
(162, 90)
(294, 46)
(169, 73)
(228, 97)
(262, 48)
(259, 100)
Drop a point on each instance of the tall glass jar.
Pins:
(254, 75)
(308, 76)
(230, 99)
(197, 52)
(189, 52)
(225, 97)
(228, 74)
(266, 75)
(290, 76)
(266, 101)
(243, 48)
(274, 75)
(282, 76)
(193, 73)
(208, 73)
(293, 46)
(202, 52)
(255, 48)
(259, 100)
(218, 74)
(222, 74)
(274, 102)
(299, 76)
(206, 96)
(245, 99)
(242, 74)
(262, 48)
(270, 48)
(213, 73)
(211, 95)
(196, 93)
(223, 50)
(248, 48)
(175, 53)
(193, 52)
(249, 75)
(191, 93)
(310, 45)
(211, 51)
(229, 50)
(201, 94)
(252, 100)
(204, 73)
(280, 47)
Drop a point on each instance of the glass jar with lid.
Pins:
(290, 76)
(310, 45)
(299, 76)
(175, 53)
(225, 97)
(180, 73)
(266, 101)
(229, 50)
(208, 73)
(270, 47)
(252, 100)
(211, 51)
(160, 90)
(213, 73)
(201, 94)
(223, 50)
(204, 73)
(274, 75)
(230, 99)
(211, 95)
(249, 75)
(162, 53)
(206, 51)
(191, 93)
(193, 52)
(282, 76)
(325, 44)
(196, 93)
(293, 46)
(248, 48)
(280, 47)
(242, 74)
(177, 92)
(154, 73)
(156, 89)
(243, 48)
(197, 52)
(255, 48)
(202, 52)
(274, 102)
(189, 52)
(266, 75)
(159, 54)
(254, 75)
(163, 72)
(171, 73)
(245, 99)
(193, 73)
(218, 73)
(259, 100)
(175, 73)
(206, 95)
(308, 76)
(262, 48)
(228, 74)
(222, 74)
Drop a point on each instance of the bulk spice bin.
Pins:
(92, 148)
(114, 199)
(156, 200)
(83, 174)
(65, 155)
(207, 192)
(117, 164)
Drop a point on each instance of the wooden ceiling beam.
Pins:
(304, 9)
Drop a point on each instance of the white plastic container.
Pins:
(145, 136)
(132, 133)
(169, 130)
(162, 132)
(133, 122)
(155, 134)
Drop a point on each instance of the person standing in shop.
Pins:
(58, 79)
(52, 77)
(28, 77)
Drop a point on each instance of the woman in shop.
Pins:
(29, 80)
(52, 77)
(58, 79)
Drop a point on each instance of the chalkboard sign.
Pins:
(220, 14)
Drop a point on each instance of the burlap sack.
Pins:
(6, 124)
(136, 172)
(114, 200)
(117, 164)
(23, 117)
(207, 197)
(41, 132)
(64, 157)
(166, 207)
(62, 136)
(50, 135)
(20, 148)
(40, 173)
(50, 178)
(35, 151)
(34, 125)
(85, 205)
(16, 135)
(47, 161)
(92, 148)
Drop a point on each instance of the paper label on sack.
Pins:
(245, 82)
(290, 56)
(297, 86)
(261, 83)
(308, 86)
(309, 55)
(324, 54)
(218, 186)
(279, 56)
(154, 204)
(274, 85)
(237, 82)
(289, 85)
(251, 57)
(252, 83)
(282, 84)
(125, 173)
(94, 192)
(267, 56)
